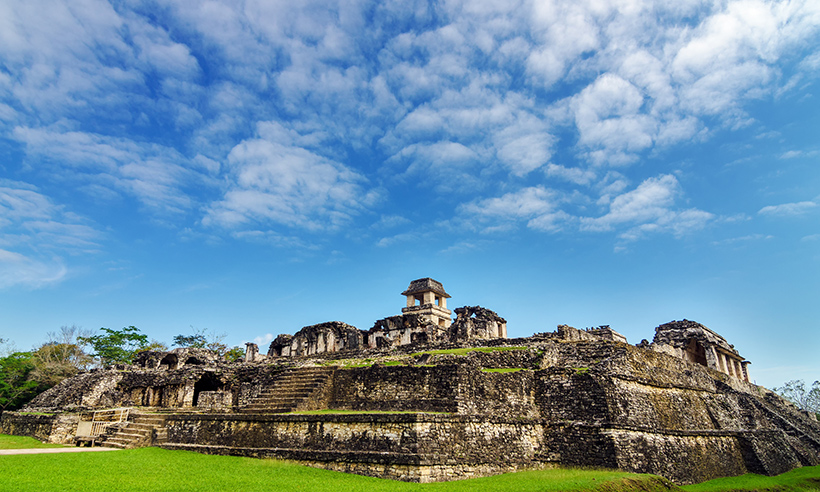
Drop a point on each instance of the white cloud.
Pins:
(17, 270)
(788, 209)
(574, 175)
(154, 174)
(456, 95)
(647, 209)
(281, 183)
(537, 206)
(264, 339)
(35, 234)
(609, 119)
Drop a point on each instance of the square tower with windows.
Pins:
(426, 297)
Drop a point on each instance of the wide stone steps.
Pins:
(289, 391)
(140, 430)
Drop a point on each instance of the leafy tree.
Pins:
(203, 338)
(117, 346)
(6, 347)
(234, 354)
(795, 391)
(16, 385)
(191, 341)
(62, 356)
(156, 346)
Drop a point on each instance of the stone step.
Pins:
(291, 389)
(312, 384)
(111, 443)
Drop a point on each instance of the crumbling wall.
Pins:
(476, 322)
(332, 336)
(407, 329)
(85, 390)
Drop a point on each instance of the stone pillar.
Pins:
(251, 352)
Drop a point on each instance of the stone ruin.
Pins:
(425, 321)
(696, 343)
(681, 406)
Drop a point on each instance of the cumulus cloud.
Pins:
(482, 96)
(649, 208)
(788, 209)
(275, 181)
(263, 339)
(538, 207)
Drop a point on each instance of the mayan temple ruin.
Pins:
(432, 394)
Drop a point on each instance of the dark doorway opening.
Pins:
(208, 382)
(695, 352)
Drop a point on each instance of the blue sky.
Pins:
(253, 167)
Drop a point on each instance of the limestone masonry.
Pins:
(472, 401)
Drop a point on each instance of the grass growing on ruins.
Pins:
(502, 369)
(465, 351)
(358, 412)
(158, 469)
(21, 442)
(797, 480)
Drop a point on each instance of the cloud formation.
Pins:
(246, 118)
(36, 235)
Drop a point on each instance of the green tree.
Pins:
(795, 391)
(234, 354)
(16, 385)
(117, 346)
(156, 346)
(62, 356)
(203, 338)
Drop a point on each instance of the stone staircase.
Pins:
(294, 390)
(141, 429)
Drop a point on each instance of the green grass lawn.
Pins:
(21, 442)
(161, 470)
(798, 480)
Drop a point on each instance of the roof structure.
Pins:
(424, 285)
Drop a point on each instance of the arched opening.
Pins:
(169, 362)
(193, 361)
(695, 352)
(208, 382)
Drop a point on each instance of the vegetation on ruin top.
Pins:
(360, 412)
(465, 351)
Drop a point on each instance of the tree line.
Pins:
(71, 350)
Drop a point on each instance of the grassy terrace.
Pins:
(397, 360)
(182, 471)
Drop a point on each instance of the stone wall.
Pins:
(417, 447)
(57, 429)
(424, 388)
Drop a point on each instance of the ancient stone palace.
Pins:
(422, 396)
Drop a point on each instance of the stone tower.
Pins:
(426, 297)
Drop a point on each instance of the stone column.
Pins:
(251, 352)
